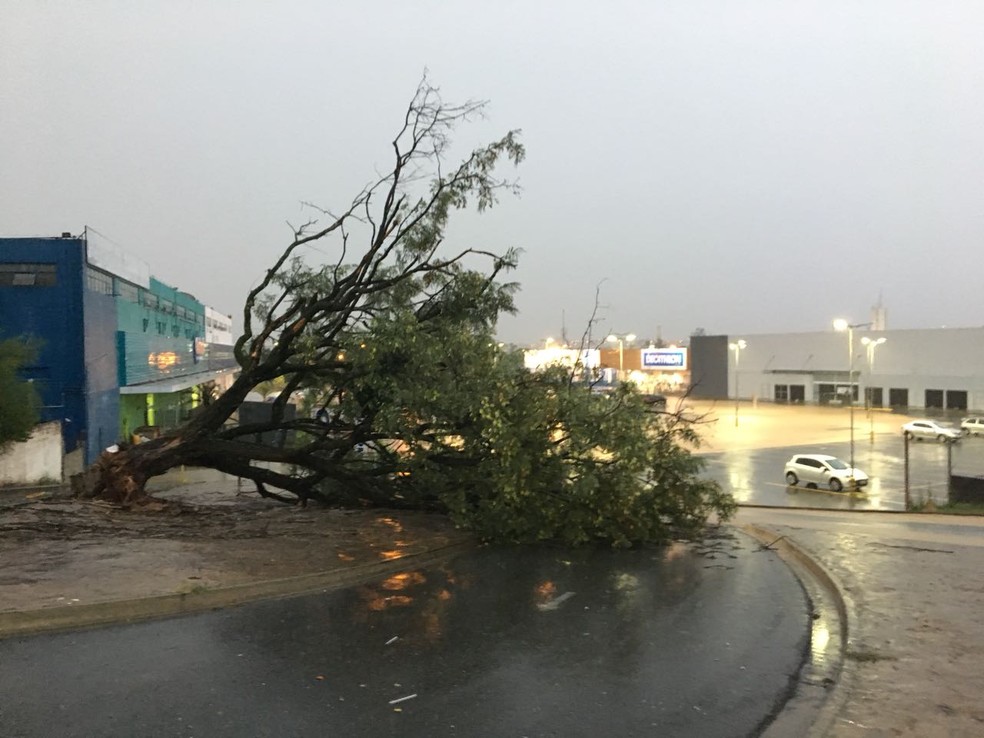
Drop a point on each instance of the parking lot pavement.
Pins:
(764, 425)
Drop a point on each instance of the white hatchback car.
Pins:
(932, 429)
(972, 426)
(816, 470)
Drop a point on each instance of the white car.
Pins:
(820, 470)
(932, 429)
(973, 426)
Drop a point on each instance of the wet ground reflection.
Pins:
(756, 476)
(682, 640)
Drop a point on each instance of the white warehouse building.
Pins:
(939, 368)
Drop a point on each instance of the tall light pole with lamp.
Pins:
(871, 344)
(613, 337)
(840, 324)
(737, 347)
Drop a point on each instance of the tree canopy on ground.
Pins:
(18, 399)
(388, 338)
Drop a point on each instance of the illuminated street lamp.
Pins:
(871, 344)
(840, 324)
(621, 347)
(737, 347)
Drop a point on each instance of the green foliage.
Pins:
(553, 461)
(514, 455)
(18, 399)
(927, 504)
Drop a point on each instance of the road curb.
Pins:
(74, 617)
(824, 684)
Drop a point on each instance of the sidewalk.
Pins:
(914, 596)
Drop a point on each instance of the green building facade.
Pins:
(159, 344)
(162, 357)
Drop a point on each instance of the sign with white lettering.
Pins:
(666, 359)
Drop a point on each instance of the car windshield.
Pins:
(836, 464)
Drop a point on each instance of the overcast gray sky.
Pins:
(740, 166)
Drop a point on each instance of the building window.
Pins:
(898, 397)
(27, 275)
(218, 325)
(826, 394)
(126, 290)
(956, 399)
(148, 299)
(97, 281)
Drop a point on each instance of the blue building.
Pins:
(118, 349)
(43, 297)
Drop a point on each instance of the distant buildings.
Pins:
(651, 369)
(933, 369)
(916, 369)
(119, 349)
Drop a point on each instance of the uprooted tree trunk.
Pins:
(303, 322)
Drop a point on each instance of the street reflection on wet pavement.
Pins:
(691, 639)
(755, 477)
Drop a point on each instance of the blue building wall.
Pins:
(52, 314)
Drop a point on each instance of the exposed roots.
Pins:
(114, 477)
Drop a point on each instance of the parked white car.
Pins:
(820, 470)
(973, 426)
(932, 429)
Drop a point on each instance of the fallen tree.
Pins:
(407, 399)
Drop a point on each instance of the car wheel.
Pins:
(941, 438)
(791, 479)
(908, 435)
(835, 485)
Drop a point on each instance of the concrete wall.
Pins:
(102, 390)
(709, 367)
(38, 459)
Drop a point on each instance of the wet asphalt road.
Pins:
(686, 640)
(756, 476)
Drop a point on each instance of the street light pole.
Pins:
(871, 344)
(737, 346)
(841, 325)
(621, 348)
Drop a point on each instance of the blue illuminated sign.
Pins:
(664, 358)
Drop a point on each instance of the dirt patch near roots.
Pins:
(56, 552)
